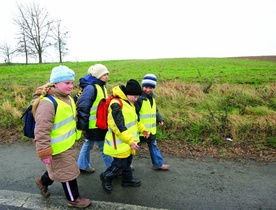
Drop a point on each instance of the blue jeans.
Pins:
(155, 154)
(84, 156)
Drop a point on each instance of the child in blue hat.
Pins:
(55, 135)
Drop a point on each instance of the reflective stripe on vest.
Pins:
(112, 147)
(63, 134)
(101, 93)
(147, 115)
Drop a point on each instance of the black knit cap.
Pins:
(133, 88)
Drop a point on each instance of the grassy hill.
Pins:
(212, 106)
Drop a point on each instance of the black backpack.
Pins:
(29, 121)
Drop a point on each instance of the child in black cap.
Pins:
(122, 137)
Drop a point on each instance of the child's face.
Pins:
(65, 87)
(132, 98)
(104, 78)
(147, 89)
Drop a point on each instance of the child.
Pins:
(94, 90)
(55, 134)
(148, 113)
(122, 137)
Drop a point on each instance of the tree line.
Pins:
(36, 33)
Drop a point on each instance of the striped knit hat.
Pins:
(149, 80)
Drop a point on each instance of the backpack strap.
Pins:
(113, 134)
(120, 101)
(53, 101)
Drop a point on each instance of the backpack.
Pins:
(76, 97)
(29, 121)
(78, 94)
(102, 111)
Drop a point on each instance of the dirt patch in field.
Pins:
(183, 149)
(258, 58)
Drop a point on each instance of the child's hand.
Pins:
(146, 134)
(134, 146)
(161, 123)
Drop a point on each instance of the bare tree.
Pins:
(60, 36)
(7, 52)
(24, 46)
(36, 27)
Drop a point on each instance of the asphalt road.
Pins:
(190, 184)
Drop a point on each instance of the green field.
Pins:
(204, 101)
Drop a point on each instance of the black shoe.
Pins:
(107, 186)
(131, 183)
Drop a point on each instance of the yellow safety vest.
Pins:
(101, 93)
(147, 116)
(116, 146)
(63, 134)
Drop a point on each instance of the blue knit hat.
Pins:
(61, 73)
(149, 80)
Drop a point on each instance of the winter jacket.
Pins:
(116, 123)
(84, 104)
(64, 165)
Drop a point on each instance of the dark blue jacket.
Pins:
(84, 104)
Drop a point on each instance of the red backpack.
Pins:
(102, 111)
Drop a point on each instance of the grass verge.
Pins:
(211, 106)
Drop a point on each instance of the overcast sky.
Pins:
(144, 29)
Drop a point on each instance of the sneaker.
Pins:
(162, 168)
(79, 203)
(88, 171)
(131, 183)
(107, 186)
(43, 189)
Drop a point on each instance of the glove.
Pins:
(47, 160)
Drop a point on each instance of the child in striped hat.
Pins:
(148, 113)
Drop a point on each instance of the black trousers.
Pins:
(70, 188)
(119, 165)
